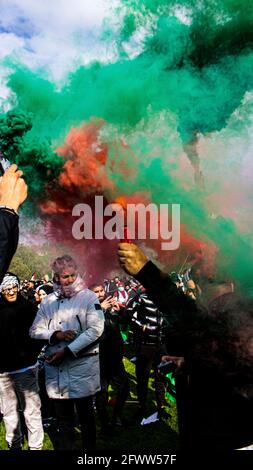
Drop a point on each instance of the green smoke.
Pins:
(34, 155)
(190, 75)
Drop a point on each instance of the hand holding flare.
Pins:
(131, 257)
(127, 236)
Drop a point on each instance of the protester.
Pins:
(217, 346)
(112, 370)
(18, 367)
(121, 294)
(47, 405)
(44, 290)
(147, 327)
(72, 321)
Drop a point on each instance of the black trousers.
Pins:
(47, 404)
(148, 357)
(117, 376)
(65, 413)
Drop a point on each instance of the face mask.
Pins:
(121, 289)
(71, 289)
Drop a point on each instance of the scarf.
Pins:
(70, 290)
(9, 280)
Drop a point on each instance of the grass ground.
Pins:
(161, 435)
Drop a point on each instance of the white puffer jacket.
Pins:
(77, 376)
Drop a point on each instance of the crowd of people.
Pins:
(63, 344)
(59, 316)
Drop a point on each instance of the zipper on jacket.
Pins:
(79, 321)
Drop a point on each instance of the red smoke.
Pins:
(84, 175)
(84, 171)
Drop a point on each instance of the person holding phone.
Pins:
(13, 192)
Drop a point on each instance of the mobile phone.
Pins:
(4, 164)
(166, 367)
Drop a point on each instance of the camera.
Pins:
(167, 367)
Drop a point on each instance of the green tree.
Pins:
(30, 259)
(20, 268)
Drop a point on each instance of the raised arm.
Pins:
(13, 192)
(158, 284)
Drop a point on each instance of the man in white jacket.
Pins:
(72, 321)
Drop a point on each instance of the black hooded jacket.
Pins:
(217, 346)
(111, 348)
(17, 349)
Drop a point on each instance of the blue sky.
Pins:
(55, 34)
(52, 36)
